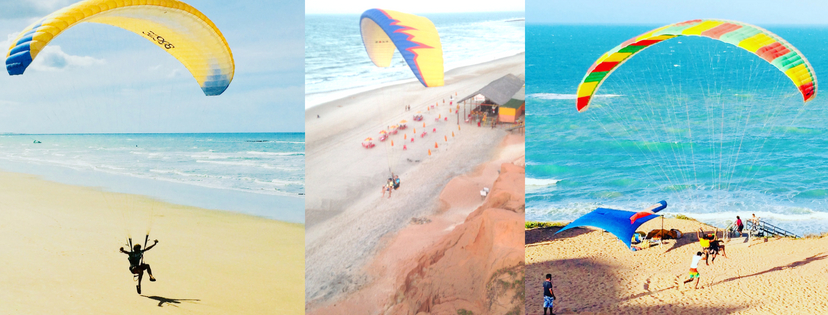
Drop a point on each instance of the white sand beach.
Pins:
(594, 273)
(60, 255)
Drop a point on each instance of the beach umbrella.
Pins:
(621, 223)
(382, 131)
(368, 139)
(403, 121)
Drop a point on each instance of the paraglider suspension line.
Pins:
(146, 239)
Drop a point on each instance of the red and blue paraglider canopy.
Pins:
(620, 223)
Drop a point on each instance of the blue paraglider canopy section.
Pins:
(620, 223)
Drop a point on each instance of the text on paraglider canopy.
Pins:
(158, 39)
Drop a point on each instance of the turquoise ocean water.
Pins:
(254, 173)
(711, 128)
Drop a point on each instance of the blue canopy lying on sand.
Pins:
(620, 223)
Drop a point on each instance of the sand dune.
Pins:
(594, 273)
(59, 251)
(457, 259)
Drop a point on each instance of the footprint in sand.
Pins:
(658, 283)
(679, 283)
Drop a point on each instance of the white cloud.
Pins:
(9, 38)
(52, 58)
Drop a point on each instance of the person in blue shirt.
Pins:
(548, 295)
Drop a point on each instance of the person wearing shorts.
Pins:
(694, 271)
(548, 295)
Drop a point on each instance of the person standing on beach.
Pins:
(755, 223)
(694, 271)
(136, 263)
(739, 226)
(548, 295)
(704, 238)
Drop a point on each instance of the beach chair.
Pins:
(368, 145)
(423, 134)
(383, 137)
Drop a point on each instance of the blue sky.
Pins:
(758, 12)
(408, 6)
(98, 78)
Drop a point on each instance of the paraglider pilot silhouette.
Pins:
(136, 262)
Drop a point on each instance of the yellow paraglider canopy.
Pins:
(178, 28)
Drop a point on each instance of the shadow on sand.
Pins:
(541, 235)
(162, 300)
(779, 268)
(588, 286)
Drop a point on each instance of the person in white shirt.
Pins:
(694, 272)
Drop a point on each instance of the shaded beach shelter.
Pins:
(505, 90)
(621, 223)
